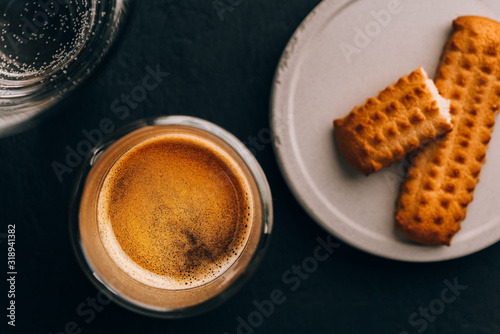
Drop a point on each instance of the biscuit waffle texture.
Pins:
(398, 120)
(441, 182)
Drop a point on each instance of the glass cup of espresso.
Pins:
(170, 216)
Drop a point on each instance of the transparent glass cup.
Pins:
(47, 49)
(122, 288)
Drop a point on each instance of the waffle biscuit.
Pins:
(441, 181)
(385, 128)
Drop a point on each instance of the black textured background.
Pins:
(220, 71)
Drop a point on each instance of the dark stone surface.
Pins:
(221, 71)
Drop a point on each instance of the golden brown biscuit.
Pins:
(440, 184)
(384, 129)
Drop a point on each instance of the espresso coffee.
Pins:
(174, 211)
(172, 217)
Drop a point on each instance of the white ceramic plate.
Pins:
(344, 52)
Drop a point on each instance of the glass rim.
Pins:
(263, 190)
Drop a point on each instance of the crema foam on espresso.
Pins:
(174, 211)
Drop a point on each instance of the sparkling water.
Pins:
(40, 37)
(48, 48)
